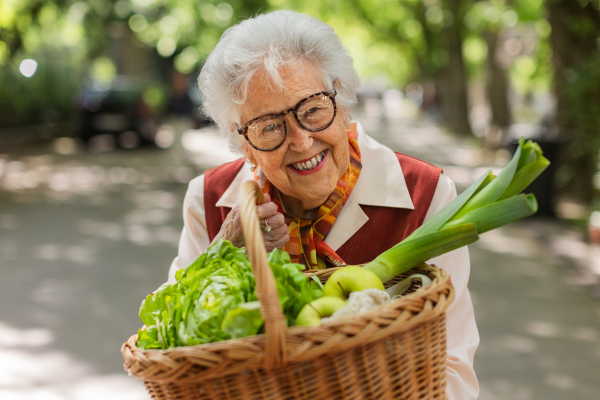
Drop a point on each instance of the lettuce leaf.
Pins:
(214, 299)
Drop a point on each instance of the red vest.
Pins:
(385, 228)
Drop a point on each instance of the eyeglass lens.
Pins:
(313, 114)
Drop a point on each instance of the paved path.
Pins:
(84, 237)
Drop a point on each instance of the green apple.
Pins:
(351, 279)
(311, 314)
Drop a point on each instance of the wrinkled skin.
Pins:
(276, 239)
(302, 194)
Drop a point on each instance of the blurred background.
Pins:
(100, 131)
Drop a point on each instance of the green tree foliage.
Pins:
(170, 26)
(68, 40)
(405, 40)
(186, 30)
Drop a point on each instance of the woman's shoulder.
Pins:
(377, 156)
(418, 174)
(223, 175)
(213, 183)
(414, 165)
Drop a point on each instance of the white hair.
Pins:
(266, 43)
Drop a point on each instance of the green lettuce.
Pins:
(215, 299)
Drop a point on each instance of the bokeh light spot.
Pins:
(412, 28)
(64, 145)
(169, 24)
(28, 67)
(208, 12)
(137, 23)
(164, 137)
(475, 50)
(166, 46)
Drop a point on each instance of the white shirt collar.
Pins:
(380, 183)
(381, 180)
(231, 197)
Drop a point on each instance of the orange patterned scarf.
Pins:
(307, 245)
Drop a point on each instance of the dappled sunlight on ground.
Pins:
(540, 336)
(83, 239)
(31, 370)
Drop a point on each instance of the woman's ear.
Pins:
(337, 84)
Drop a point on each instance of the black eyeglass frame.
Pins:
(329, 93)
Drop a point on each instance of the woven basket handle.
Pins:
(266, 288)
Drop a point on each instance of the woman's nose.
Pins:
(300, 138)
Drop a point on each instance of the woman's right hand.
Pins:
(275, 239)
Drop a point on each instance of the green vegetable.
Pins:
(487, 204)
(409, 254)
(293, 287)
(440, 218)
(497, 214)
(244, 320)
(214, 299)
(531, 165)
(494, 189)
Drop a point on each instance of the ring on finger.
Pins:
(267, 228)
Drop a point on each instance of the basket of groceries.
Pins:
(241, 323)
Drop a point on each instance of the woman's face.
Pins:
(310, 187)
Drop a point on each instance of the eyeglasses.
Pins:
(313, 113)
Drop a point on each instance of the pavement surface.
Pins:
(85, 236)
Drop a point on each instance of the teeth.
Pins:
(310, 164)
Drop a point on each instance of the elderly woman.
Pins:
(280, 87)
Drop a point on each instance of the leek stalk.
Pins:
(497, 214)
(489, 203)
(524, 177)
(494, 189)
(439, 219)
(409, 254)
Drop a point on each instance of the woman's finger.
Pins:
(277, 244)
(266, 210)
(274, 221)
(275, 233)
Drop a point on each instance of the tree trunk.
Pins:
(453, 80)
(497, 84)
(574, 41)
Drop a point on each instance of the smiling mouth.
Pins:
(309, 164)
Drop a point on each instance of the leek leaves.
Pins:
(489, 203)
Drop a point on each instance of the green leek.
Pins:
(497, 214)
(440, 218)
(494, 189)
(400, 259)
(489, 203)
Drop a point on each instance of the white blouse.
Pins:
(380, 183)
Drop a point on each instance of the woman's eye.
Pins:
(312, 110)
(269, 128)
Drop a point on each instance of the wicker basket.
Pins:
(396, 351)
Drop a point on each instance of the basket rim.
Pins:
(205, 361)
